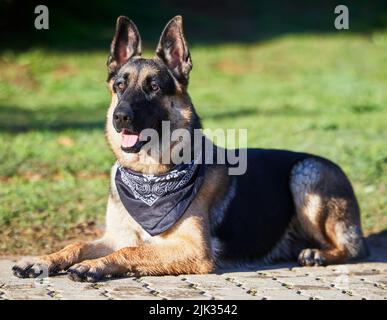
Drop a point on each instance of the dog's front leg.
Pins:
(171, 259)
(61, 260)
(183, 249)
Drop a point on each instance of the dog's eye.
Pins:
(120, 85)
(154, 86)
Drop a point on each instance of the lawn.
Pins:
(324, 94)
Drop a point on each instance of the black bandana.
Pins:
(157, 202)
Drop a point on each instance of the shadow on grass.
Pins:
(73, 26)
(250, 111)
(18, 119)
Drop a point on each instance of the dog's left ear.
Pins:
(173, 50)
(126, 44)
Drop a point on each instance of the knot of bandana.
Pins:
(150, 188)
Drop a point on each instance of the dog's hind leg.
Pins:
(61, 260)
(327, 213)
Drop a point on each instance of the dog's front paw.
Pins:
(89, 270)
(33, 267)
(311, 257)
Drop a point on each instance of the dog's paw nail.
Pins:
(311, 257)
(37, 270)
(18, 271)
(78, 272)
(318, 262)
(319, 259)
(93, 276)
(21, 269)
(74, 275)
(31, 268)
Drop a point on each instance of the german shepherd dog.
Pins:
(287, 206)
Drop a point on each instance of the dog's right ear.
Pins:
(126, 44)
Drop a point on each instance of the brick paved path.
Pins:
(365, 280)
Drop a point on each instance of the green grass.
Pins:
(324, 94)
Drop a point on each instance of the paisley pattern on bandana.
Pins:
(150, 188)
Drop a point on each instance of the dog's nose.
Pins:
(122, 119)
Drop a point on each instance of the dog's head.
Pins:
(146, 92)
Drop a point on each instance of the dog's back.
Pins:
(269, 213)
(261, 207)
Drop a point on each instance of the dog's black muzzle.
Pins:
(123, 117)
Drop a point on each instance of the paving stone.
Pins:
(217, 287)
(280, 294)
(364, 280)
(264, 287)
(70, 290)
(170, 287)
(128, 289)
(358, 286)
(315, 288)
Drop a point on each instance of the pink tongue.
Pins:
(129, 140)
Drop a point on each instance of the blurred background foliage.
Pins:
(277, 68)
(87, 25)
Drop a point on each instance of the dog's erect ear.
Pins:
(173, 50)
(125, 45)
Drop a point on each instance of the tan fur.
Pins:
(61, 260)
(310, 215)
(327, 213)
